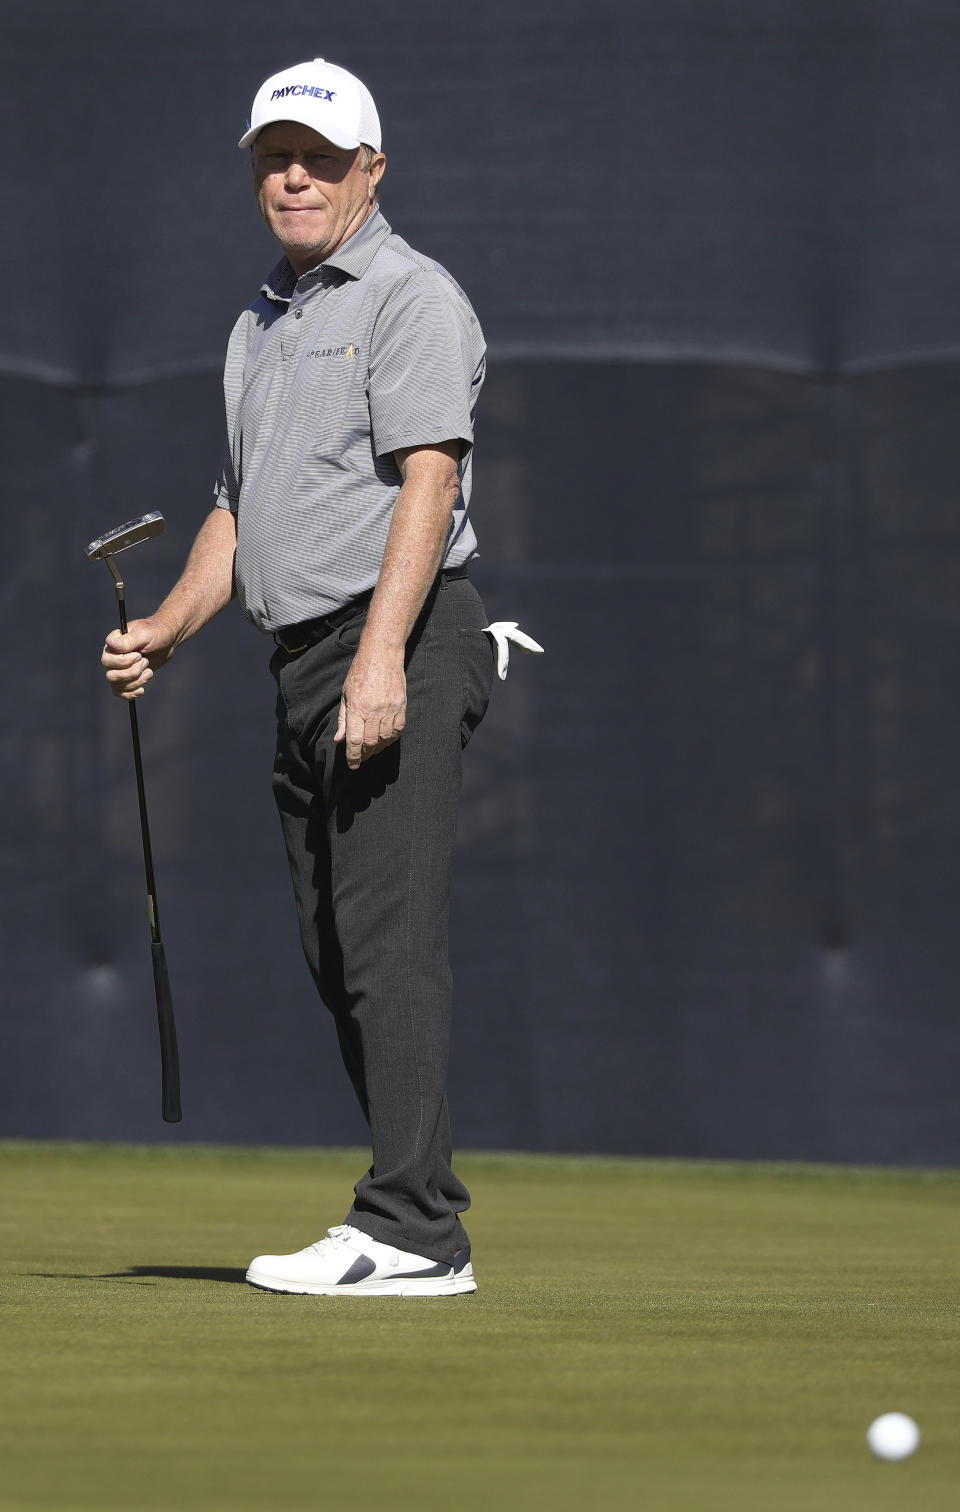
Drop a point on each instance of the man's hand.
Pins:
(374, 704)
(132, 659)
(204, 588)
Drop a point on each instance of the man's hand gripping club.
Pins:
(205, 586)
(131, 660)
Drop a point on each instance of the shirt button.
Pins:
(297, 314)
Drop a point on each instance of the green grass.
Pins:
(672, 1336)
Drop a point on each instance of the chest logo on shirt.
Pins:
(340, 351)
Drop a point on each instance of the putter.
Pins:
(104, 549)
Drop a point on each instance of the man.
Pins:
(340, 520)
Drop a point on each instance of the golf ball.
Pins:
(894, 1436)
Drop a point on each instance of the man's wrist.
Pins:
(384, 645)
(172, 627)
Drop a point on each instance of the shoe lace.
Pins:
(339, 1233)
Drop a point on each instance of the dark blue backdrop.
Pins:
(709, 869)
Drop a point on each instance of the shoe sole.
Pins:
(448, 1287)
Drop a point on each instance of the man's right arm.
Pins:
(205, 587)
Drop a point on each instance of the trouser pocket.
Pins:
(476, 678)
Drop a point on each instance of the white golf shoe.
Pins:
(349, 1263)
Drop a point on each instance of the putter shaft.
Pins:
(169, 1053)
(138, 768)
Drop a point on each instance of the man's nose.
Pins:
(296, 176)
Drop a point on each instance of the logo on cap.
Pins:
(316, 90)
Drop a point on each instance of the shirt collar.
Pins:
(353, 258)
(280, 283)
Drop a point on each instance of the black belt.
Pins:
(293, 638)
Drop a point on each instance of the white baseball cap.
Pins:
(321, 95)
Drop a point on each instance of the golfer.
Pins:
(340, 522)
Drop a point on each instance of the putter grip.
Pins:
(169, 1056)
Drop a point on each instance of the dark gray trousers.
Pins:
(370, 855)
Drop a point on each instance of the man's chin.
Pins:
(305, 253)
(298, 233)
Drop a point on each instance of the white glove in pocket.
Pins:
(504, 633)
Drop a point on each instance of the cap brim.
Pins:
(289, 113)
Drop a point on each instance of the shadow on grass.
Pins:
(163, 1272)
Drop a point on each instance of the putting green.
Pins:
(656, 1335)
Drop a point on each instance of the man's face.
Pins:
(311, 194)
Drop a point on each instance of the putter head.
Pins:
(122, 536)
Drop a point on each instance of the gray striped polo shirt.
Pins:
(326, 377)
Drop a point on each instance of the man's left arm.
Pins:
(374, 701)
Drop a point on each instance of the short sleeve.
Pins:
(226, 490)
(425, 351)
